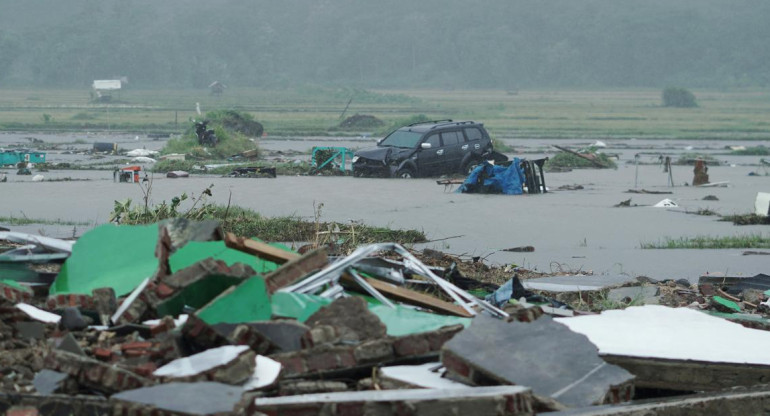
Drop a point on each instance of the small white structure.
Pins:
(762, 204)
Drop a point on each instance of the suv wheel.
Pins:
(405, 173)
(468, 167)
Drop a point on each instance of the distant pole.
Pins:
(670, 173)
(176, 119)
(636, 176)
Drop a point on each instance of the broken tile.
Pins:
(48, 382)
(544, 355)
(70, 344)
(229, 364)
(266, 373)
(420, 376)
(39, 314)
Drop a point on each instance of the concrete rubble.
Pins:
(194, 321)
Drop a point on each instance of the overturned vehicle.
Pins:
(430, 148)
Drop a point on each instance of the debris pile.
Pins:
(179, 318)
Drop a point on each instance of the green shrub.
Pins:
(230, 143)
(678, 97)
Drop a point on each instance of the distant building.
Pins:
(103, 88)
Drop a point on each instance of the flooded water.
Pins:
(570, 230)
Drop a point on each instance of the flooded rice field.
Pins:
(571, 230)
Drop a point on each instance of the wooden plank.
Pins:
(409, 296)
(293, 270)
(259, 249)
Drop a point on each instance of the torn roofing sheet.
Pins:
(654, 331)
(399, 320)
(109, 256)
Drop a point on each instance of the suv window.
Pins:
(401, 138)
(450, 138)
(473, 133)
(434, 141)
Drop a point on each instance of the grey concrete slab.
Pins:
(544, 355)
(202, 398)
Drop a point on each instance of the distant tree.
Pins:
(678, 97)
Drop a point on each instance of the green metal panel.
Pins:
(399, 321)
(247, 302)
(120, 257)
(195, 251)
(726, 303)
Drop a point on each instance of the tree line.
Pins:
(505, 44)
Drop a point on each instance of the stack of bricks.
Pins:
(102, 377)
(14, 294)
(328, 358)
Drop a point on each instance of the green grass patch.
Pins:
(709, 242)
(747, 219)
(249, 223)
(19, 221)
(311, 110)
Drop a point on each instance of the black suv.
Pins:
(429, 148)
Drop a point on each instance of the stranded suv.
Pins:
(429, 148)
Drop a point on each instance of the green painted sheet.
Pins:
(297, 306)
(120, 257)
(17, 272)
(196, 294)
(247, 302)
(404, 321)
(726, 303)
(195, 251)
(399, 321)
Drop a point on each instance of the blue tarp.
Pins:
(494, 179)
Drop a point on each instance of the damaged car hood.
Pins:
(385, 153)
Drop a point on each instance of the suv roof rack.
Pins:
(456, 123)
(429, 122)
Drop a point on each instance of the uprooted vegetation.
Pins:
(195, 167)
(232, 129)
(565, 160)
(244, 221)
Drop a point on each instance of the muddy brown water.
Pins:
(570, 230)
